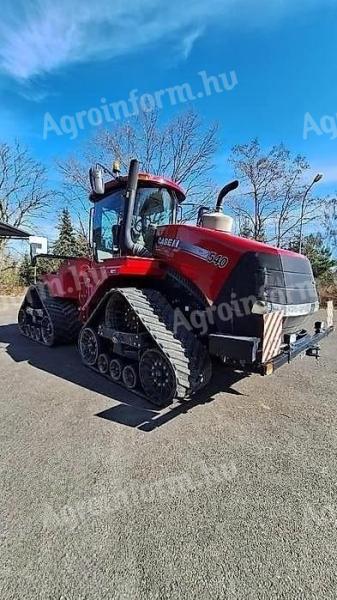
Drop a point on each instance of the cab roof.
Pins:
(143, 178)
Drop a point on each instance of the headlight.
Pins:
(259, 307)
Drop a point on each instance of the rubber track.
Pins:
(188, 358)
(62, 313)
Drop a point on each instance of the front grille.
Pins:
(291, 283)
(284, 281)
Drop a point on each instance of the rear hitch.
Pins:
(314, 351)
(320, 326)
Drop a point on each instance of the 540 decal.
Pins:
(217, 259)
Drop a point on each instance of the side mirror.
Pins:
(96, 180)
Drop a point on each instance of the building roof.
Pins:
(7, 231)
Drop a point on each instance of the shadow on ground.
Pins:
(132, 410)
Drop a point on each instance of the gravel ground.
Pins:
(230, 496)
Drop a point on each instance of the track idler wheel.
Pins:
(88, 344)
(157, 378)
(130, 377)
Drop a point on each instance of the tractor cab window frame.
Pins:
(155, 206)
(108, 213)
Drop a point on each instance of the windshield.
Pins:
(154, 206)
(107, 217)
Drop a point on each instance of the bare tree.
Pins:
(181, 149)
(330, 222)
(24, 194)
(272, 197)
(76, 189)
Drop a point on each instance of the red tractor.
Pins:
(159, 299)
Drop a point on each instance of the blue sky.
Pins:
(63, 57)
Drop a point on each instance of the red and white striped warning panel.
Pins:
(272, 334)
(329, 313)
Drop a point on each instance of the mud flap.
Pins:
(272, 335)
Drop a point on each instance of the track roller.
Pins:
(103, 364)
(129, 377)
(116, 369)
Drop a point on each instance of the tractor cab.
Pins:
(128, 210)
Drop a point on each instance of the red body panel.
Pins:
(85, 281)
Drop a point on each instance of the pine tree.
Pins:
(83, 245)
(69, 242)
(314, 248)
(66, 244)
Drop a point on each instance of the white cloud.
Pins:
(40, 36)
(189, 41)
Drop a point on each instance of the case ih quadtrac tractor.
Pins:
(159, 299)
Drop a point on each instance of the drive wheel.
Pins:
(47, 332)
(88, 346)
(157, 378)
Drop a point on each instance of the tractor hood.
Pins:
(225, 266)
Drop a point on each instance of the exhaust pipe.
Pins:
(225, 190)
(127, 244)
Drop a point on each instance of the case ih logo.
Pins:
(169, 242)
(218, 260)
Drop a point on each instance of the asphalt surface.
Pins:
(230, 496)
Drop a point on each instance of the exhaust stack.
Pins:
(217, 220)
